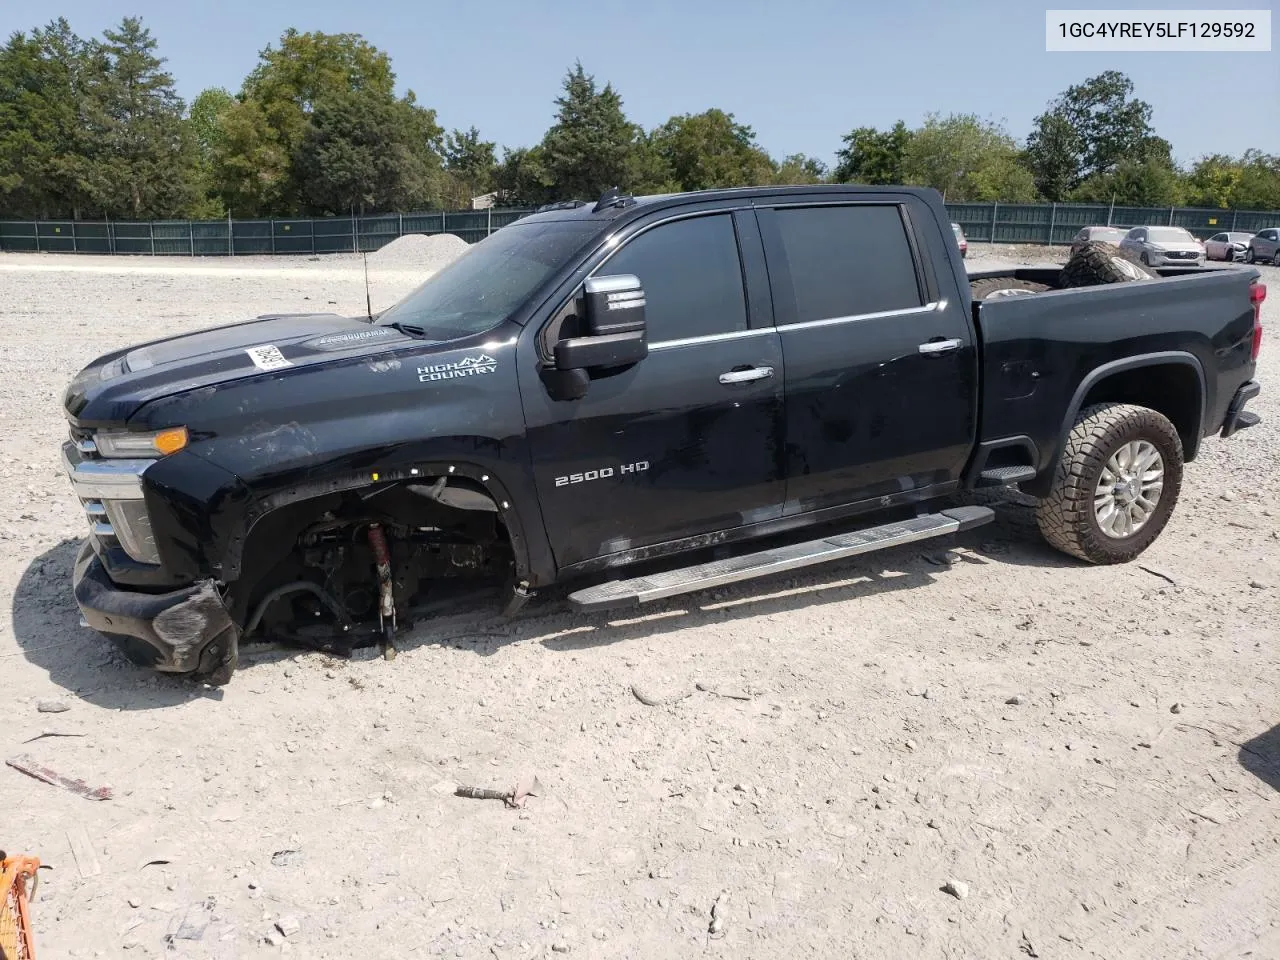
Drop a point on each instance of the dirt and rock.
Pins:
(988, 751)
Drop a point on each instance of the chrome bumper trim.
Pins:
(104, 479)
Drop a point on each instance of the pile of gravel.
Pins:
(420, 252)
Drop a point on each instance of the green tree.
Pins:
(365, 151)
(205, 125)
(286, 87)
(522, 178)
(799, 169)
(251, 171)
(1259, 187)
(967, 158)
(1133, 183)
(1213, 181)
(1088, 130)
(1055, 156)
(204, 118)
(45, 81)
(470, 165)
(873, 156)
(290, 79)
(711, 149)
(647, 169)
(587, 150)
(1250, 182)
(143, 157)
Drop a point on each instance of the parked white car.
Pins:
(1227, 246)
(1163, 247)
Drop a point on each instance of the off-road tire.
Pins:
(1004, 287)
(1066, 516)
(1097, 263)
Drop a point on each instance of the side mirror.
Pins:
(613, 321)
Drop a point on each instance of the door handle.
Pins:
(746, 376)
(937, 347)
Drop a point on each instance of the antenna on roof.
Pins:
(613, 197)
(368, 301)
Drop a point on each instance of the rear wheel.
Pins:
(1249, 255)
(1115, 485)
(994, 287)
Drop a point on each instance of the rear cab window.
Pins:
(848, 260)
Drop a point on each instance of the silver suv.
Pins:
(1163, 247)
(1265, 245)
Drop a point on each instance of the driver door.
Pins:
(688, 440)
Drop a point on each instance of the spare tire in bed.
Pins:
(993, 287)
(1097, 263)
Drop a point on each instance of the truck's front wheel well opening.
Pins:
(310, 568)
(1172, 389)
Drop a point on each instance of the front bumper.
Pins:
(184, 631)
(1237, 417)
(1163, 260)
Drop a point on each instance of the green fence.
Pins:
(994, 222)
(1060, 222)
(220, 238)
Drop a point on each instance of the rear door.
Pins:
(687, 441)
(881, 364)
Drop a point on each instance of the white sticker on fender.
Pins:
(267, 357)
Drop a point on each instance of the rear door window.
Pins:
(847, 261)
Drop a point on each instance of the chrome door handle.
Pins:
(746, 376)
(935, 347)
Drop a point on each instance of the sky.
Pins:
(800, 73)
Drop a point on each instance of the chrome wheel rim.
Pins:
(1129, 489)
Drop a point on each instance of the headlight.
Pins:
(130, 445)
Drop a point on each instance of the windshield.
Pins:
(490, 281)
(1170, 235)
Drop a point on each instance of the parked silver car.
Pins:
(1163, 247)
(1227, 246)
(1265, 245)
(1111, 235)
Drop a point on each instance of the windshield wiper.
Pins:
(409, 329)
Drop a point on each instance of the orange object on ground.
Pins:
(16, 942)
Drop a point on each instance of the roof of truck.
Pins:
(588, 210)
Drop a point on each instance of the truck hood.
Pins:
(111, 388)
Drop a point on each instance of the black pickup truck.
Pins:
(648, 396)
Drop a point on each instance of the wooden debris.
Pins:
(31, 768)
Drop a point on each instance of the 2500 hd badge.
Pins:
(640, 466)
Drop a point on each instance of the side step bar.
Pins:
(1005, 476)
(670, 583)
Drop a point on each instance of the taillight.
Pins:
(1257, 293)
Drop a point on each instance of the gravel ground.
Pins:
(1086, 759)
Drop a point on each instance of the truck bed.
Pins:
(1042, 353)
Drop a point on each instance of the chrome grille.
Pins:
(111, 493)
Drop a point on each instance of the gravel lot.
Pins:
(1091, 756)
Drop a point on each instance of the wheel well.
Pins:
(1172, 389)
(453, 502)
